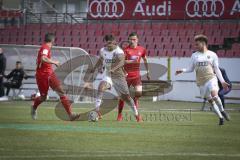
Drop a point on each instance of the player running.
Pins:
(45, 78)
(133, 55)
(205, 63)
(112, 58)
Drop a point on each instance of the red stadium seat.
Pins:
(149, 39)
(229, 53)
(221, 53)
(168, 46)
(150, 46)
(177, 46)
(167, 39)
(175, 39)
(152, 52)
(173, 32)
(186, 45)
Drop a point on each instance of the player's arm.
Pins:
(186, 70)
(219, 73)
(146, 66)
(99, 63)
(10, 75)
(121, 61)
(45, 59)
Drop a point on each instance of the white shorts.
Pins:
(205, 90)
(108, 80)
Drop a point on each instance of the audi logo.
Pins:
(106, 8)
(205, 8)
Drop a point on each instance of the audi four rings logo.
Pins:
(205, 8)
(106, 8)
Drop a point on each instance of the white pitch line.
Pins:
(121, 155)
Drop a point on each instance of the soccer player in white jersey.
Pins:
(112, 58)
(205, 64)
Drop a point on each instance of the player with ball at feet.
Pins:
(205, 63)
(112, 58)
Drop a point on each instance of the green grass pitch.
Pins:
(164, 134)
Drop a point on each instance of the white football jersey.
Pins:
(203, 64)
(109, 57)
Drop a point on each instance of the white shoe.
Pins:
(4, 98)
(33, 113)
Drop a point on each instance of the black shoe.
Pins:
(226, 116)
(221, 121)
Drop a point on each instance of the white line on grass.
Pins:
(96, 155)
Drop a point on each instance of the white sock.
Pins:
(216, 109)
(133, 107)
(98, 104)
(218, 103)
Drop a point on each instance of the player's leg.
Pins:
(7, 85)
(103, 86)
(213, 87)
(57, 87)
(127, 98)
(217, 100)
(43, 86)
(121, 87)
(205, 92)
(137, 84)
(121, 103)
(221, 94)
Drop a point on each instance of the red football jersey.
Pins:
(137, 53)
(42, 67)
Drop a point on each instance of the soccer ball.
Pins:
(92, 116)
(21, 96)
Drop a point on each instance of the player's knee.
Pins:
(125, 97)
(138, 94)
(43, 98)
(215, 98)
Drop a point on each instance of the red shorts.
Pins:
(45, 81)
(134, 81)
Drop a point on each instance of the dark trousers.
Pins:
(10, 85)
(1, 87)
(221, 94)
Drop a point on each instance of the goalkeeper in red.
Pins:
(133, 55)
(45, 78)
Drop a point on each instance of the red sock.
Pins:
(120, 106)
(136, 102)
(37, 102)
(66, 104)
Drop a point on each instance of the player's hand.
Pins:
(57, 63)
(178, 72)
(87, 85)
(225, 85)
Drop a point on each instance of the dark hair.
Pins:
(49, 37)
(18, 62)
(201, 38)
(133, 34)
(109, 37)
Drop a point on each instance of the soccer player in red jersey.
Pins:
(133, 55)
(45, 78)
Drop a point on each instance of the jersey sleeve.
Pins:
(119, 51)
(216, 68)
(45, 52)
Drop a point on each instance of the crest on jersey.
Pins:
(208, 57)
